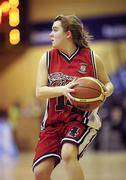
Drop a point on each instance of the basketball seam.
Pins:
(89, 88)
(95, 80)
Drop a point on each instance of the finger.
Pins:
(73, 84)
(105, 94)
(69, 99)
(71, 90)
(103, 86)
(74, 79)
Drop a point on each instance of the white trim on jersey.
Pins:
(45, 115)
(48, 59)
(93, 59)
(69, 58)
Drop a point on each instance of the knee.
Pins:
(69, 152)
(40, 173)
(43, 170)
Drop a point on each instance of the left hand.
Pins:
(105, 90)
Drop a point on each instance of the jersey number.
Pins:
(61, 102)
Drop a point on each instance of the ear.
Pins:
(69, 34)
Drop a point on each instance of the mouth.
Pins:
(52, 40)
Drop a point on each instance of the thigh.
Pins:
(45, 167)
(69, 151)
(48, 147)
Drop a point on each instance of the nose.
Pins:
(51, 34)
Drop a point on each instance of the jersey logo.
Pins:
(83, 68)
(74, 132)
(59, 78)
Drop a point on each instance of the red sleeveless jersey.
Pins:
(61, 70)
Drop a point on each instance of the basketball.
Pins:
(88, 94)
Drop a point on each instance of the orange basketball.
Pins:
(88, 94)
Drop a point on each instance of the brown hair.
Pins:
(72, 23)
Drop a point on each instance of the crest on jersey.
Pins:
(74, 132)
(83, 68)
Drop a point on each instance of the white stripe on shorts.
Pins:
(87, 140)
(44, 157)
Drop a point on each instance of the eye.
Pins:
(55, 29)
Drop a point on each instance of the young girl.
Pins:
(64, 127)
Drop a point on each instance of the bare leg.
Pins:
(44, 169)
(72, 165)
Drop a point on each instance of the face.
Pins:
(57, 35)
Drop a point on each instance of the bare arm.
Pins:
(42, 89)
(103, 77)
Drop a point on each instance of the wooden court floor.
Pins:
(97, 166)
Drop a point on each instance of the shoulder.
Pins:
(99, 61)
(46, 56)
(88, 51)
(85, 49)
(47, 53)
(44, 59)
(53, 50)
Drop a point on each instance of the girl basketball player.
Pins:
(66, 131)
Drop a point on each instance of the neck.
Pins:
(69, 49)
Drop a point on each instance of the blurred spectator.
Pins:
(8, 148)
(13, 117)
(113, 115)
(14, 114)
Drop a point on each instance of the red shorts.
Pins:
(52, 138)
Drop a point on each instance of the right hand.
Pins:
(68, 89)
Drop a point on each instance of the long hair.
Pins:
(79, 33)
